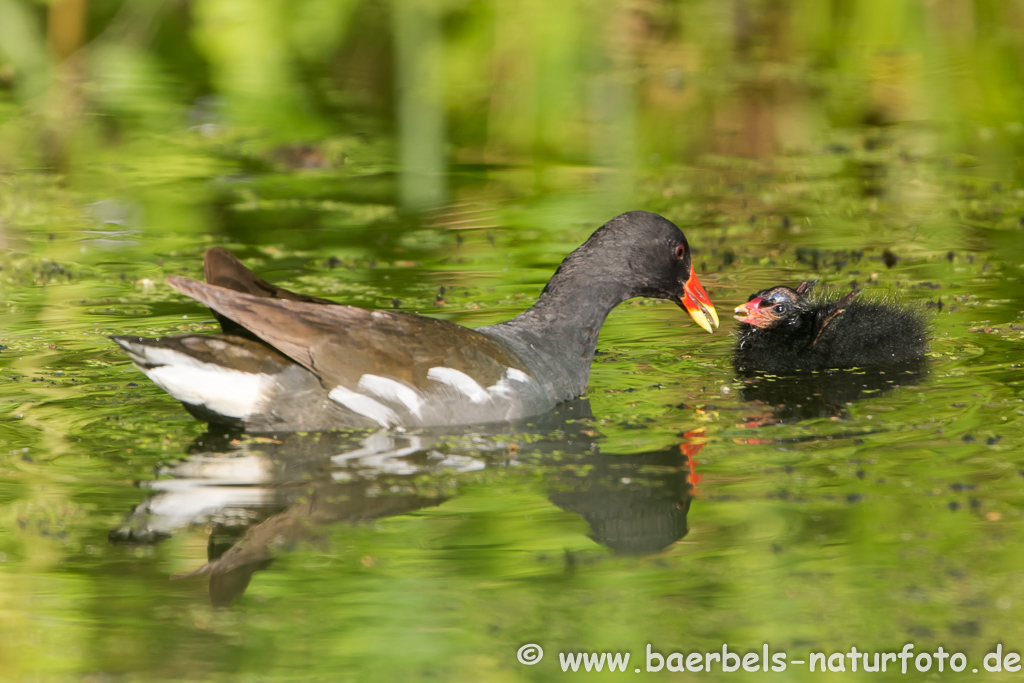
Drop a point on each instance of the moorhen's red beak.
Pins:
(750, 312)
(697, 303)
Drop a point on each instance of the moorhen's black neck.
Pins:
(558, 334)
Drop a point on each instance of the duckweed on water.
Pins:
(677, 505)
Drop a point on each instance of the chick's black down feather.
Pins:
(784, 330)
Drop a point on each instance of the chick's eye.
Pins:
(680, 252)
(779, 308)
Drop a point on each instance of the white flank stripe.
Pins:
(227, 392)
(365, 406)
(393, 391)
(460, 381)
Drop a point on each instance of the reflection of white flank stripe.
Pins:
(460, 381)
(232, 469)
(392, 391)
(517, 375)
(502, 388)
(381, 444)
(365, 406)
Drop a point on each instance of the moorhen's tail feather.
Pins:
(223, 269)
(219, 378)
(245, 311)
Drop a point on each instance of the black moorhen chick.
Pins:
(288, 362)
(783, 330)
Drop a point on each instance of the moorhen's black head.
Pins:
(638, 253)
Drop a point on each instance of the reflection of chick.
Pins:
(783, 330)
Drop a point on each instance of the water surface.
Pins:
(675, 504)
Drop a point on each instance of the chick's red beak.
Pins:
(697, 304)
(750, 312)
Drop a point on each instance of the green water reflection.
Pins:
(680, 505)
(677, 504)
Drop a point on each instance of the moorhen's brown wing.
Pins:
(341, 344)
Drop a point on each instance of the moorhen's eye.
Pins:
(779, 308)
(680, 252)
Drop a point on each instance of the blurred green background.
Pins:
(427, 86)
(442, 156)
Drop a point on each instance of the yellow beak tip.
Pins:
(703, 314)
(714, 316)
(706, 319)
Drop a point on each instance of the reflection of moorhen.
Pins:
(262, 495)
(635, 504)
(784, 330)
(305, 364)
(232, 564)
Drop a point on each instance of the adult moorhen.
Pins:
(288, 362)
(784, 330)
